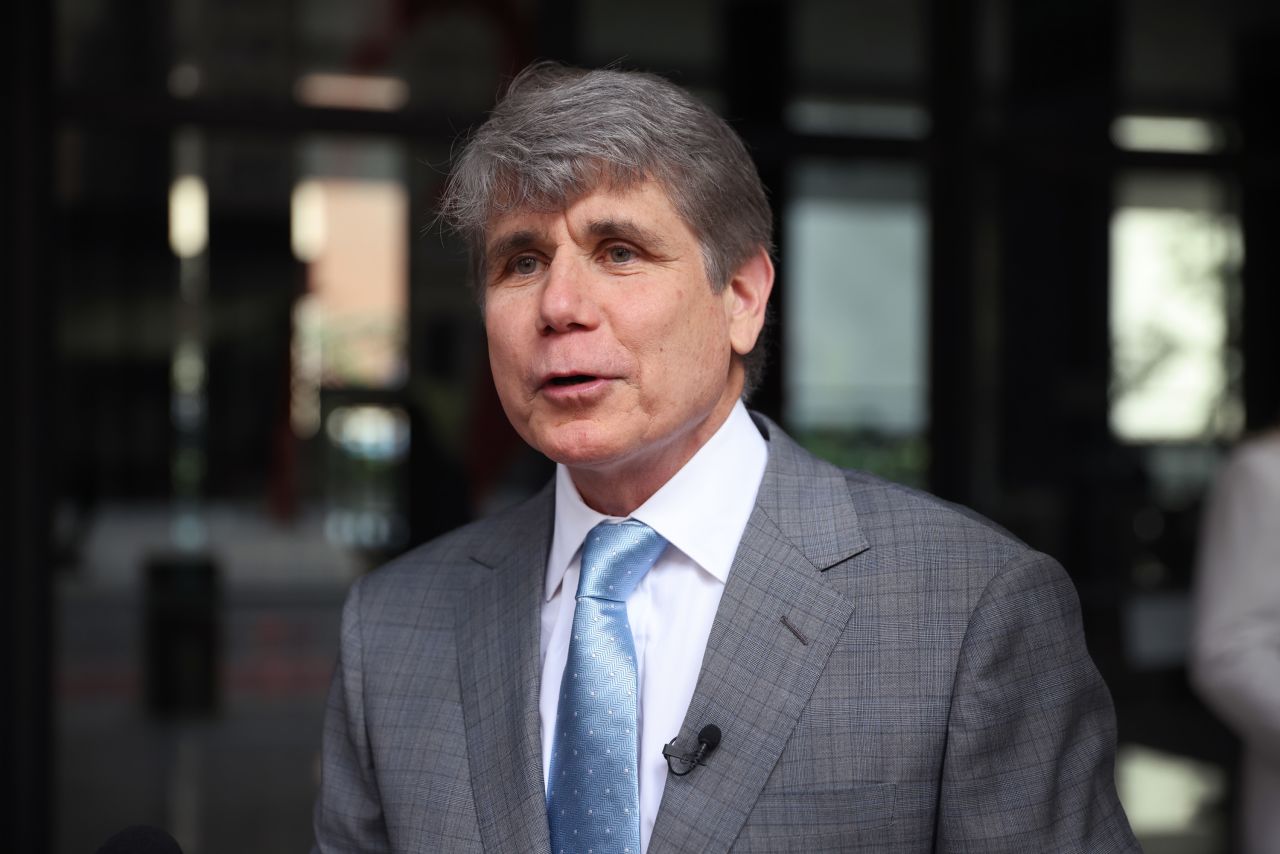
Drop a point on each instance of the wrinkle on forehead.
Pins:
(515, 191)
(601, 227)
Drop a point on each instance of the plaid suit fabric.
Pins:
(890, 674)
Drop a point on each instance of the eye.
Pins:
(619, 254)
(525, 265)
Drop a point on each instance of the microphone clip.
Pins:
(708, 740)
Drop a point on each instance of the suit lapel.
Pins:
(498, 662)
(777, 624)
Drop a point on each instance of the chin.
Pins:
(580, 445)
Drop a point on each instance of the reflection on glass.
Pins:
(1171, 796)
(360, 279)
(306, 220)
(856, 315)
(189, 240)
(188, 216)
(1185, 134)
(858, 117)
(307, 363)
(351, 91)
(184, 80)
(349, 215)
(350, 224)
(1175, 257)
(373, 433)
(367, 446)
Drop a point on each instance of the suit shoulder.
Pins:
(438, 572)
(930, 556)
(911, 534)
(915, 525)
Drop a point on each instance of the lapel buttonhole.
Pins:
(791, 627)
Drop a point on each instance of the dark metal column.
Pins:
(756, 83)
(1259, 80)
(26, 336)
(1054, 330)
(558, 37)
(953, 295)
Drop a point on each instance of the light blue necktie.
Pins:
(593, 792)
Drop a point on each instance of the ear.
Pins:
(745, 298)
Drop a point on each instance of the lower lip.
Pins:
(576, 393)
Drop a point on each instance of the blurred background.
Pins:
(1027, 262)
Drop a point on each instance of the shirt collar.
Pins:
(702, 510)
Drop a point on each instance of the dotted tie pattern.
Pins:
(593, 793)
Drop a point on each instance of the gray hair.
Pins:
(560, 133)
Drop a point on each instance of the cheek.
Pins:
(499, 349)
(709, 336)
(499, 331)
(504, 361)
(693, 350)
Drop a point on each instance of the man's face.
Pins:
(610, 352)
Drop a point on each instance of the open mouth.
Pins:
(575, 379)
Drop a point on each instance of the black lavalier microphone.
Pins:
(708, 740)
(140, 839)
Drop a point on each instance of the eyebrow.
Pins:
(627, 230)
(514, 241)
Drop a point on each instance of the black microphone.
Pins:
(140, 839)
(708, 740)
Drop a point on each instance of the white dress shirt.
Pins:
(701, 512)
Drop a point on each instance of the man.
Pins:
(887, 672)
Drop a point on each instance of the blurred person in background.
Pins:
(1236, 638)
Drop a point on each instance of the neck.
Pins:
(618, 489)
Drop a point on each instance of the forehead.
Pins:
(644, 204)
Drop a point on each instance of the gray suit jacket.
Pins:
(932, 691)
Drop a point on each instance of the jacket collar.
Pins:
(776, 627)
(777, 624)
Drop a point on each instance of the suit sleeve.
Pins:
(1029, 762)
(1235, 661)
(348, 813)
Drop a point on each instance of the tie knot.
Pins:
(615, 557)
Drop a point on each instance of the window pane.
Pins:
(856, 314)
(664, 35)
(1176, 52)
(1175, 261)
(874, 47)
(350, 225)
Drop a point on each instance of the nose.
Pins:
(566, 301)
